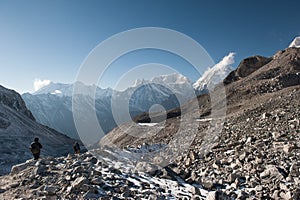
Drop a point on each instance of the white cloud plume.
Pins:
(38, 84)
(228, 60)
(217, 73)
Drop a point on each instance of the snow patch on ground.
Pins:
(146, 148)
(147, 124)
(204, 120)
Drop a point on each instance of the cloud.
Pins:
(226, 61)
(38, 84)
(220, 67)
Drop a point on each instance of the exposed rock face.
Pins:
(13, 100)
(17, 130)
(246, 67)
(249, 65)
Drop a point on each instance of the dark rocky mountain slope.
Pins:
(17, 130)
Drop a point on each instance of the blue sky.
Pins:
(51, 39)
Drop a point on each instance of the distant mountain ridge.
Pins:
(14, 100)
(63, 89)
(52, 104)
(54, 108)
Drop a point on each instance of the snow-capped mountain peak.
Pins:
(63, 89)
(295, 42)
(55, 88)
(169, 79)
(139, 82)
(174, 78)
(213, 76)
(176, 83)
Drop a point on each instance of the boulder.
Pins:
(271, 171)
(79, 182)
(295, 169)
(246, 67)
(50, 190)
(18, 168)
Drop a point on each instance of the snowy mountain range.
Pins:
(52, 104)
(62, 89)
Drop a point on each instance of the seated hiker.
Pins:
(35, 148)
(76, 147)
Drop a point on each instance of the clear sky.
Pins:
(50, 39)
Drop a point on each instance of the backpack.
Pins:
(35, 148)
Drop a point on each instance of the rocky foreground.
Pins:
(86, 177)
(257, 155)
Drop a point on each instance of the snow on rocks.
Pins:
(86, 177)
(147, 124)
(17, 168)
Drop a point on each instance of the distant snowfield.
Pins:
(204, 120)
(154, 124)
(178, 189)
(147, 124)
(147, 148)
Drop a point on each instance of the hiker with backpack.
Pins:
(35, 148)
(76, 148)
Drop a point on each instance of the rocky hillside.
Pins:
(13, 100)
(246, 67)
(17, 130)
(256, 154)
